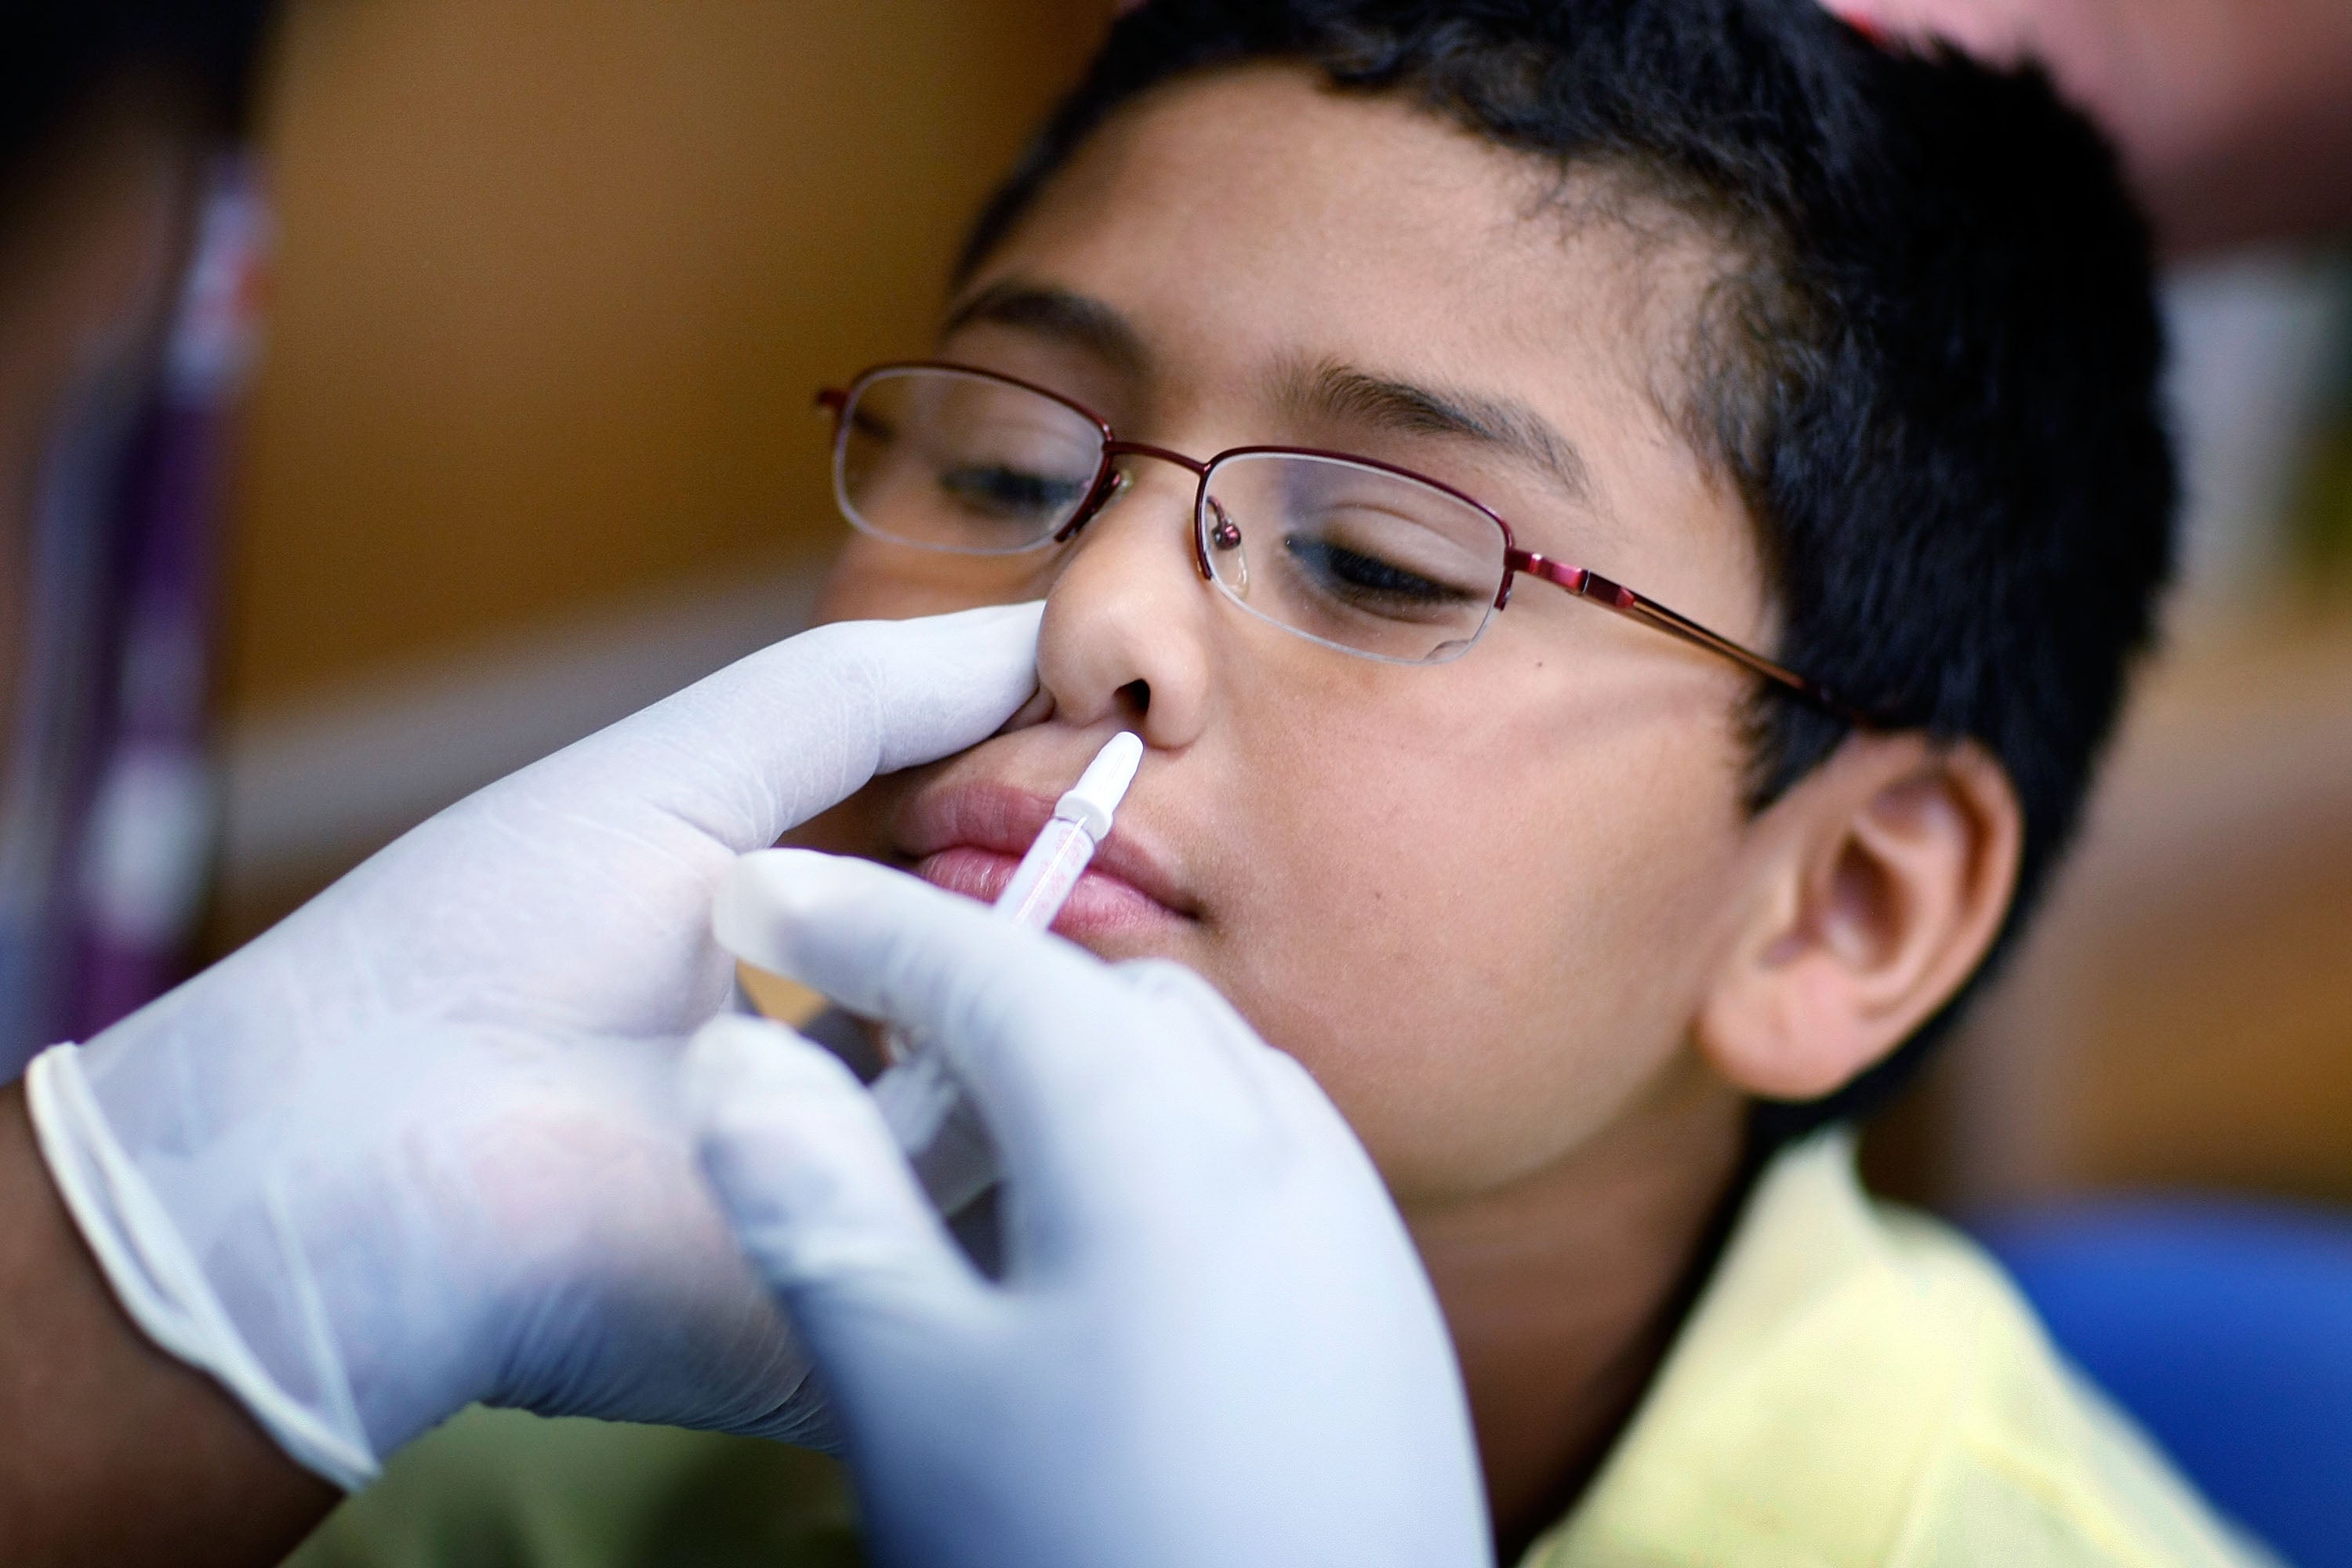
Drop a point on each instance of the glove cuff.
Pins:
(162, 1287)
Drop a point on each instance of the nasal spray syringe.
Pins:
(1049, 872)
(919, 1098)
(921, 1101)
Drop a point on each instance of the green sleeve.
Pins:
(495, 1489)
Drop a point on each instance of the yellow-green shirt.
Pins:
(1857, 1384)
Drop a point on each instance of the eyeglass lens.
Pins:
(948, 460)
(1349, 554)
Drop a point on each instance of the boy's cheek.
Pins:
(1455, 1085)
(1496, 984)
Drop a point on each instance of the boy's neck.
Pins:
(1564, 1289)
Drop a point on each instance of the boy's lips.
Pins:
(968, 836)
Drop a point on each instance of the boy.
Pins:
(1587, 907)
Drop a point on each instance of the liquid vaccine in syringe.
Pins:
(1048, 874)
(919, 1098)
(1056, 858)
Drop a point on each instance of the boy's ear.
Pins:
(1883, 878)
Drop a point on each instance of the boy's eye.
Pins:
(997, 491)
(1367, 581)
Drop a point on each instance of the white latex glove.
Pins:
(1213, 1342)
(422, 1144)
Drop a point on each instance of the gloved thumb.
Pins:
(822, 1201)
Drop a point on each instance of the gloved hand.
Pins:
(422, 1146)
(1212, 1340)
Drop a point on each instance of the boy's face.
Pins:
(1482, 899)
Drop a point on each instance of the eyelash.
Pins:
(1370, 577)
(1003, 491)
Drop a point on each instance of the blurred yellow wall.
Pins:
(556, 279)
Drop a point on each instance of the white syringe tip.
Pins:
(1096, 794)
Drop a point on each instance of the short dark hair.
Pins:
(57, 55)
(1930, 365)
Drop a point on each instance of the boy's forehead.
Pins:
(1257, 217)
(1246, 224)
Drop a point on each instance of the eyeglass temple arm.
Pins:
(1611, 595)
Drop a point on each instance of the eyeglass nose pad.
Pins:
(1232, 560)
(1114, 485)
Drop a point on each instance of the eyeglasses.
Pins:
(1355, 554)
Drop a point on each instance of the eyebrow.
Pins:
(1343, 391)
(1072, 318)
(1330, 389)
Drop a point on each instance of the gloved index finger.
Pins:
(1028, 1024)
(767, 742)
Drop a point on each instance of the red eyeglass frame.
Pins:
(1580, 581)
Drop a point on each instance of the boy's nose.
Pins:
(1128, 623)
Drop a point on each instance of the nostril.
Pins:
(1135, 699)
